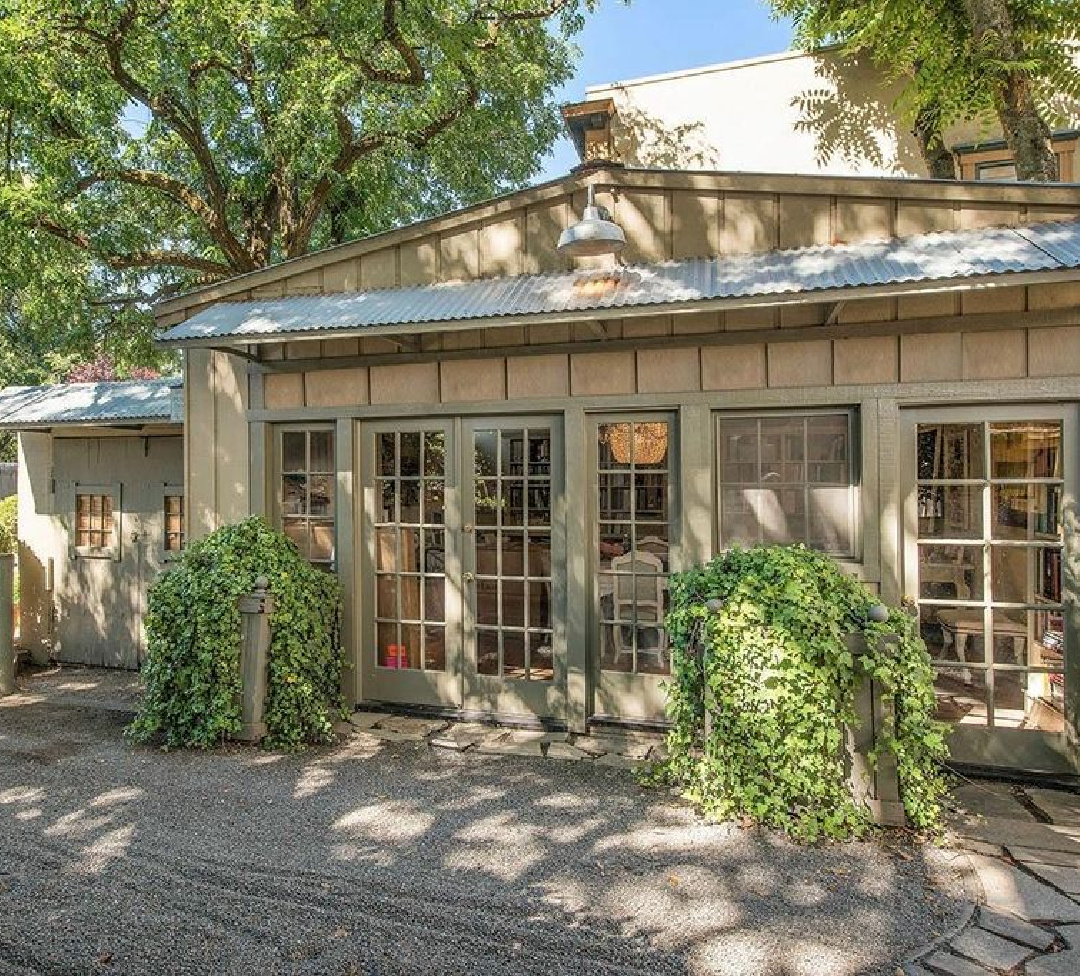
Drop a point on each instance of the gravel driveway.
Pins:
(388, 858)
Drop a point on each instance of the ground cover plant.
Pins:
(192, 667)
(762, 688)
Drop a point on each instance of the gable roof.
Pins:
(615, 177)
(940, 258)
(126, 401)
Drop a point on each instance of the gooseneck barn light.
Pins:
(596, 233)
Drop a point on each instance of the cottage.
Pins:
(101, 495)
(504, 450)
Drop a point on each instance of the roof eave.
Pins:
(783, 299)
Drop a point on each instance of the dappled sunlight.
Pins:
(388, 822)
(104, 850)
(512, 865)
(312, 780)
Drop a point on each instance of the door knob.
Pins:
(468, 577)
(468, 527)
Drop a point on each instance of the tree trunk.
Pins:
(1026, 131)
(938, 158)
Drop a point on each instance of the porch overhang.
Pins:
(925, 264)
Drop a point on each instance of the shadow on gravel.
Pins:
(393, 859)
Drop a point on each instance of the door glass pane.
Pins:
(949, 572)
(435, 454)
(541, 657)
(434, 648)
(409, 459)
(1025, 449)
(1023, 700)
(322, 451)
(514, 654)
(1024, 512)
(961, 696)
(487, 651)
(953, 634)
(1026, 574)
(293, 451)
(951, 451)
(950, 512)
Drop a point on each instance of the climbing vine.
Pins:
(192, 667)
(762, 688)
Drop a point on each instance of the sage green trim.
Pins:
(345, 549)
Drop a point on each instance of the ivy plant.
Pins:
(193, 633)
(762, 690)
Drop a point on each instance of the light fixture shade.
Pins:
(596, 233)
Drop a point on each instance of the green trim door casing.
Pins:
(410, 637)
(463, 575)
(990, 548)
(635, 531)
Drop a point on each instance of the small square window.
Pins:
(96, 516)
(173, 538)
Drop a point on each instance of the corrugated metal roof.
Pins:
(925, 258)
(88, 403)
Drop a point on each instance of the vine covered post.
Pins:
(872, 770)
(255, 611)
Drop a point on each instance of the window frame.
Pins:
(855, 473)
(278, 489)
(111, 491)
(169, 490)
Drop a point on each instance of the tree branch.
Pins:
(150, 258)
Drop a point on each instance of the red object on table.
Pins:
(397, 656)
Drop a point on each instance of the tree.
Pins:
(960, 60)
(157, 144)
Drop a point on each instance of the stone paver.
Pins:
(460, 736)
(1019, 833)
(1060, 858)
(993, 800)
(988, 949)
(404, 725)
(366, 720)
(1010, 889)
(516, 743)
(946, 962)
(1071, 935)
(1061, 806)
(1057, 964)
(1064, 879)
(1015, 928)
(564, 750)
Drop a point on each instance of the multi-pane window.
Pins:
(307, 492)
(410, 551)
(174, 521)
(788, 478)
(95, 522)
(633, 544)
(514, 626)
(990, 508)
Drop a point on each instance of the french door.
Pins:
(988, 534)
(463, 568)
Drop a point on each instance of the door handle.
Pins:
(467, 528)
(468, 577)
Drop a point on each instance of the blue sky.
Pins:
(650, 37)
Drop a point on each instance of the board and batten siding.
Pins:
(666, 215)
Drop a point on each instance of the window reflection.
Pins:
(307, 490)
(787, 479)
(633, 545)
